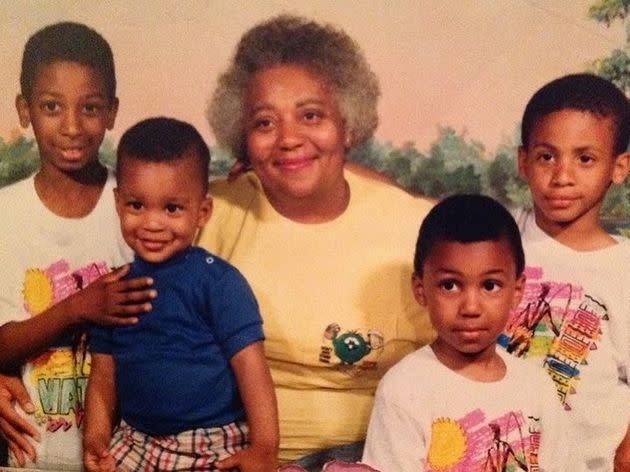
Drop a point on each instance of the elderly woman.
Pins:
(327, 250)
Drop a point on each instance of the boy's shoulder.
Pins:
(413, 369)
(17, 191)
(530, 379)
(533, 236)
(238, 192)
(209, 265)
(375, 190)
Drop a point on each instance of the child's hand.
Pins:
(112, 301)
(101, 461)
(252, 459)
(15, 429)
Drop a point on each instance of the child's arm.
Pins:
(100, 406)
(106, 301)
(256, 390)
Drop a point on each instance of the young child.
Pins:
(574, 318)
(459, 404)
(58, 240)
(191, 379)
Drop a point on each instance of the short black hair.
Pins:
(162, 139)
(67, 41)
(582, 92)
(468, 218)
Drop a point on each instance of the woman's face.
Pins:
(295, 134)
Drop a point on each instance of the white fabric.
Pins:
(428, 417)
(588, 297)
(46, 258)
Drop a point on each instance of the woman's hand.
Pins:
(16, 429)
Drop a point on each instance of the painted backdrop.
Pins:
(455, 74)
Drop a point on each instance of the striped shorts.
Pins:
(197, 449)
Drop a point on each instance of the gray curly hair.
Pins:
(287, 39)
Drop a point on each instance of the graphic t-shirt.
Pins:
(46, 258)
(573, 323)
(428, 417)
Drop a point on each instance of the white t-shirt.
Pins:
(427, 417)
(46, 258)
(573, 322)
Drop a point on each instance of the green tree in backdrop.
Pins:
(454, 163)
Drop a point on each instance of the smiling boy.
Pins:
(58, 242)
(206, 400)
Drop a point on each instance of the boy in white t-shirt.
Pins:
(59, 242)
(574, 319)
(461, 404)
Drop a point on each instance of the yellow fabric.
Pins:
(328, 292)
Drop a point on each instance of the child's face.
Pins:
(161, 205)
(569, 165)
(70, 112)
(469, 290)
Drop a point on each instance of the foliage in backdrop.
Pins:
(454, 163)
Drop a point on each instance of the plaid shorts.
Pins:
(197, 449)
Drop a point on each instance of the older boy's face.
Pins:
(70, 112)
(569, 165)
(469, 290)
(161, 205)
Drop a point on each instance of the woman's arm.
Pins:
(15, 429)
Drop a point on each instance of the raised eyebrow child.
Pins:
(459, 403)
(205, 389)
(58, 243)
(573, 321)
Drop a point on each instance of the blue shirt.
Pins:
(172, 368)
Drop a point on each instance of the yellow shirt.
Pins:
(335, 297)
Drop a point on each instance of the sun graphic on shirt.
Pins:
(37, 291)
(448, 444)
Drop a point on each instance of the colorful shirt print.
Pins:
(559, 323)
(507, 443)
(351, 350)
(58, 377)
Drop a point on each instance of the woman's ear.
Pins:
(348, 138)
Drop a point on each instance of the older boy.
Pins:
(58, 242)
(458, 404)
(574, 317)
(206, 399)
